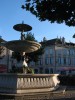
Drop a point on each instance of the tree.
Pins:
(30, 36)
(74, 36)
(60, 11)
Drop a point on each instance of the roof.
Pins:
(2, 40)
(56, 41)
(51, 42)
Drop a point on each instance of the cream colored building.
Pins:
(58, 57)
(5, 56)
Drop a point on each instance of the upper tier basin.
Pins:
(22, 46)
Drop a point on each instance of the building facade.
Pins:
(58, 57)
(5, 58)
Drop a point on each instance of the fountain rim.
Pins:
(28, 41)
(22, 44)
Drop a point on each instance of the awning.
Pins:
(3, 68)
(67, 69)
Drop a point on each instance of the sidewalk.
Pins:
(68, 94)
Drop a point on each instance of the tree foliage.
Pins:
(74, 36)
(30, 36)
(60, 11)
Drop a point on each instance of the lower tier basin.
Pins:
(27, 83)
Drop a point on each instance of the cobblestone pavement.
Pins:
(69, 94)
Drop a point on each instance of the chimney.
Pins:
(63, 40)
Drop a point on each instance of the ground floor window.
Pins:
(41, 70)
(36, 71)
(63, 72)
(51, 70)
(47, 71)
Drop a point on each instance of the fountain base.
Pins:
(27, 83)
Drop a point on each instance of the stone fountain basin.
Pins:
(12, 83)
(22, 46)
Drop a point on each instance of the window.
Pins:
(63, 72)
(59, 60)
(51, 70)
(74, 61)
(36, 71)
(46, 51)
(59, 52)
(46, 60)
(51, 60)
(51, 51)
(39, 62)
(41, 70)
(69, 61)
(32, 63)
(70, 52)
(47, 71)
(64, 51)
(64, 60)
(73, 52)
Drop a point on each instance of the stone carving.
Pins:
(22, 36)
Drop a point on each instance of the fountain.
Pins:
(21, 83)
(22, 46)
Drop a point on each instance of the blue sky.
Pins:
(11, 14)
